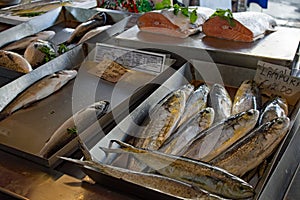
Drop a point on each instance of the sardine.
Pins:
(196, 173)
(73, 126)
(93, 32)
(253, 149)
(187, 131)
(221, 136)
(14, 61)
(39, 52)
(39, 90)
(220, 101)
(196, 102)
(99, 19)
(23, 43)
(276, 107)
(247, 97)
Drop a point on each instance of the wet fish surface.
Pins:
(93, 32)
(221, 136)
(73, 126)
(39, 90)
(247, 97)
(252, 150)
(220, 101)
(196, 173)
(14, 61)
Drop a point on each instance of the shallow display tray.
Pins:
(211, 73)
(278, 47)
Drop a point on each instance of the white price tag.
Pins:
(277, 68)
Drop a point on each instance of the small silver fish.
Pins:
(39, 90)
(14, 61)
(220, 101)
(73, 126)
(187, 131)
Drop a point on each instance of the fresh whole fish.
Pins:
(76, 124)
(93, 32)
(187, 131)
(253, 149)
(23, 43)
(247, 97)
(244, 27)
(220, 101)
(220, 136)
(39, 90)
(99, 19)
(196, 102)
(276, 107)
(14, 61)
(196, 173)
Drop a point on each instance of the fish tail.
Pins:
(86, 153)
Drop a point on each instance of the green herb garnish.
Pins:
(163, 4)
(224, 14)
(31, 14)
(49, 54)
(62, 48)
(185, 11)
(72, 130)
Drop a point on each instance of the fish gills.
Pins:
(78, 122)
(196, 173)
(253, 149)
(247, 97)
(220, 101)
(187, 131)
(221, 136)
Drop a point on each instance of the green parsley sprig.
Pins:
(72, 130)
(224, 14)
(49, 54)
(185, 11)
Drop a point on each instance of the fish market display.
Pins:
(99, 19)
(187, 131)
(39, 90)
(240, 26)
(196, 102)
(276, 107)
(93, 32)
(252, 150)
(23, 43)
(39, 52)
(73, 126)
(220, 101)
(196, 173)
(14, 61)
(221, 136)
(247, 97)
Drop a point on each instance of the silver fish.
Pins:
(73, 126)
(220, 101)
(196, 173)
(93, 32)
(14, 61)
(39, 90)
(187, 131)
(196, 102)
(247, 97)
(24, 42)
(221, 136)
(253, 149)
(276, 107)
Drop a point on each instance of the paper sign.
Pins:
(274, 82)
(278, 68)
(131, 58)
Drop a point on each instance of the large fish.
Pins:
(196, 173)
(99, 19)
(23, 43)
(220, 101)
(14, 61)
(244, 26)
(196, 102)
(276, 107)
(187, 131)
(247, 97)
(221, 136)
(76, 124)
(39, 90)
(253, 149)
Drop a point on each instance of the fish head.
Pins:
(208, 114)
(100, 16)
(101, 107)
(251, 114)
(68, 73)
(240, 190)
(280, 124)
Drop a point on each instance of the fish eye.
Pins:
(250, 112)
(280, 121)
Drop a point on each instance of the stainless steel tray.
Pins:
(211, 73)
(279, 47)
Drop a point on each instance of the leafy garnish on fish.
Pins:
(62, 48)
(185, 11)
(49, 54)
(72, 130)
(224, 14)
(31, 14)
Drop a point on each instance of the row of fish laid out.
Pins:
(203, 127)
(241, 26)
(30, 52)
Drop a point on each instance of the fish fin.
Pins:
(86, 153)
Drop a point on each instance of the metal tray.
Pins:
(279, 47)
(211, 73)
